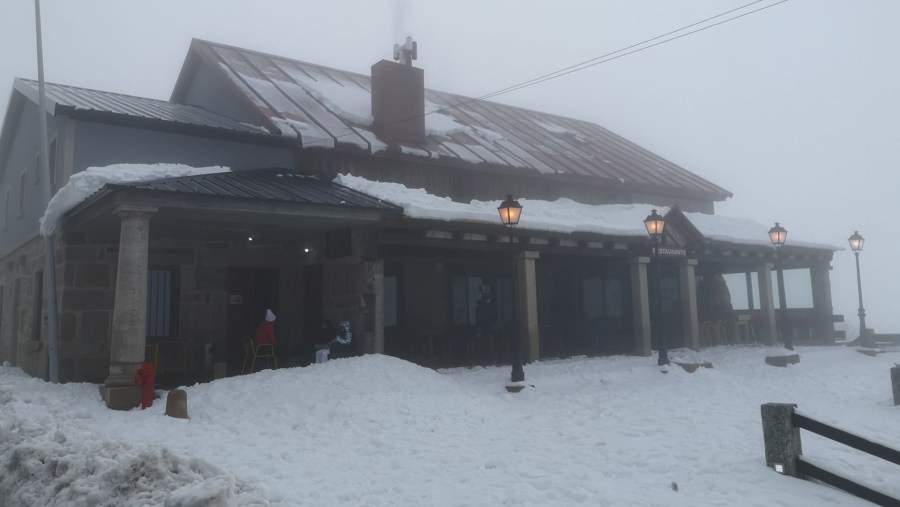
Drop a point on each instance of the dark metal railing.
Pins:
(845, 437)
(781, 432)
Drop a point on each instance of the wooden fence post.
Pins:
(782, 438)
(895, 383)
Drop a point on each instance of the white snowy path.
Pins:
(378, 431)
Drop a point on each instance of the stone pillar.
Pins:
(690, 322)
(750, 298)
(353, 290)
(895, 384)
(129, 327)
(640, 304)
(781, 437)
(374, 301)
(528, 316)
(820, 280)
(769, 331)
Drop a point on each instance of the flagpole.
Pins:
(49, 250)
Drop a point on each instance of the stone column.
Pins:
(781, 437)
(129, 327)
(769, 332)
(690, 322)
(895, 384)
(640, 304)
(374, 300)
(527, 311)
(750, 297)
(822, 307)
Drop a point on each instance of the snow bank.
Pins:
(379, 431)
(54, 451)
(83, 184)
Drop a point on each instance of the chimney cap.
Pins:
(406, 53)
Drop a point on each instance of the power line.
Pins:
(603, 59)
(584, 64)
(608, 57)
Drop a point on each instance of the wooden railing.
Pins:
(781, 432)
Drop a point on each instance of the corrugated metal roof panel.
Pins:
(339, 103)
(269, 184)
(85, 99)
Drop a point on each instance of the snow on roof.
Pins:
(438, 123)
(480, 132)
(563, 215)
(743, 231)
(83, 184)
(349, 102)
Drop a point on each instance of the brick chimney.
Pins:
(398, 97)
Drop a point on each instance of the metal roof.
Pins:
(268, 184)
(310, 102)
(72, 99)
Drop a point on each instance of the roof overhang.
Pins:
(193, 215)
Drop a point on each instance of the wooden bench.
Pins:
(886, 338)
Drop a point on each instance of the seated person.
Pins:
(342, 338)
(265, 333)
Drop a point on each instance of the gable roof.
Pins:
(96, 105)
(325, 107)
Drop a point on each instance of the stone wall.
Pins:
(86, 274)
(19, 344)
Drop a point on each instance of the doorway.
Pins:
(250, 292)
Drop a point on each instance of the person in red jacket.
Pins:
(265, 333)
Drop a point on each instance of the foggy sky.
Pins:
(793, 109)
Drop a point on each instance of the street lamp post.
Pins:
(778, 235)
(655, 225)
(510, 210)
(856, 244)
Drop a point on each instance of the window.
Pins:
(467, 290)
(338, 244)
(162, 298)
(37, 305)
(22, 194)
(603, 297)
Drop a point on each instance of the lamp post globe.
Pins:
(510, 210)
(655, 225)
(778, 236)
(856, 244)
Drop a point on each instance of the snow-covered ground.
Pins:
(378, 431)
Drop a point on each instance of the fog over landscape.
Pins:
(793, 108)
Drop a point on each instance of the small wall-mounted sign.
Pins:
(236, 299)
(672, 252)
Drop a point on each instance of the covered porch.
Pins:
(180, 271)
